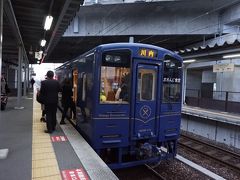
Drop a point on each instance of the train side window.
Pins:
(115, 77)
(171, 80)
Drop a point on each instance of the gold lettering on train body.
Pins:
(151, 53)
(148, 53)
(143, 52)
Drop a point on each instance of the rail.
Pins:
(225, 157)
(155, 172)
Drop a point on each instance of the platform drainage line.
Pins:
(199, 168)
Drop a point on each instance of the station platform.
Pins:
(225, 117)
(29, 153)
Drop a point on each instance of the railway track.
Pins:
(219, 154)
(143, 172)
(159, 176)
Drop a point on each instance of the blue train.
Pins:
(128, 99)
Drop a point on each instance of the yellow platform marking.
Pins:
(45, 171)
(43, 150)
(54, 177)
(44, 163)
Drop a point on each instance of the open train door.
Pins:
(145, 106)
(75, 89)
(75, 84)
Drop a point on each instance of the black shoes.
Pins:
(62, 122)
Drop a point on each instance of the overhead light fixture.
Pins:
(43, 42)
(189, 60)
(48, 22)
(231, 56)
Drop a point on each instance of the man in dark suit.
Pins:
(67, 101)
(49, 91)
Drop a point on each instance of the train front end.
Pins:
(138, 111)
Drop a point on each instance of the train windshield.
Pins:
(115, 77)
(171, 80)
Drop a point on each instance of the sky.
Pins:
(42, 69)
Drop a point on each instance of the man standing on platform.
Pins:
(49, 92)
(32, 82)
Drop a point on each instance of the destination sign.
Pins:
(150, 53)
(223, 67)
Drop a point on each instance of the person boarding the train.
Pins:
(67, 101)
(49, 92)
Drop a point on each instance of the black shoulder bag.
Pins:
(39, 98)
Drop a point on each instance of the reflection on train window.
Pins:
(171, 93)
(171, 80)
(115, 77)
(146, 85)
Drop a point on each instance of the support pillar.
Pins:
(19, 78)
(1, 37)
(28, 77)
(184, 84)
(25, 81)
(6, 75)
(3, 152)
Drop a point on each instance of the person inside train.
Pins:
(122, 92)
(67, 101)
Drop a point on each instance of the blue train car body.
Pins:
(128, 99)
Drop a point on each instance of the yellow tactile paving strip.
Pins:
(44, 163)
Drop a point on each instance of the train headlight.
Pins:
(108, 58)
(117, 58)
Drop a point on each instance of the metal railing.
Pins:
(218, 100)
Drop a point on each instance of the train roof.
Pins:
(130, 45)
(124, 45)
(136, 45)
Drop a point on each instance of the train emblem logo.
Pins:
(145, 112)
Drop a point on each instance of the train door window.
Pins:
(70, 75)
(115, 77)
(84, 80)
(171, 80)
(75, 84)
(146, 85)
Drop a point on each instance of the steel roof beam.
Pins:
(31, 9)
(63, 21)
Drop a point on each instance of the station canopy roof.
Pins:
(29, 23)
(30, 16)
